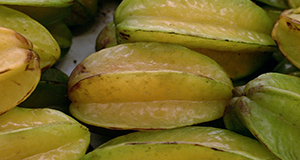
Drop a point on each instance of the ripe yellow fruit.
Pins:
(235, 33)
(41, 134)
(19, 69)
(148, 86)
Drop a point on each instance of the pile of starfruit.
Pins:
(34, 120)
(169, 79)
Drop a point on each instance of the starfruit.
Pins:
(41, 134)
(235, 33)
(269, 108)
(182, 144)
(286, 33)
(45, 12)
(43, 42)
(19, 69)
(107, 37)
(147, 85)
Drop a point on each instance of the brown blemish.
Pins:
(124, 36)
(289, 25)
(5, 71)
(292, 27)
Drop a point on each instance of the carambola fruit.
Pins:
(107, 37)
(19, 69)
(43, 42)
(44, 11)
(148, 86)
(235, 33)
(286, 33)
(182, 144)
(41, 134)
(269, 108)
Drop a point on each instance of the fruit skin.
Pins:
(107, 37)
(51, 92)
(41, 134)
(19, 69)
(63, 36)
(233, 33)
(148, 86)
(45, 12)
(43, 42)
(181, 143)
(269, 109)
(286, 34)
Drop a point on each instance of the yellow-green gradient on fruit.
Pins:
(148, 85)
(43, 42)
(182, 144)
(287, 35)
(218, 29)
(19, 69)
(41, 134)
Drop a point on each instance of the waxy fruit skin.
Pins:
(19, 69)
(269, 108)
(182, 144)
(43, 42)
(44, 11)
(235, 33)
(148, 86)
(41, 134)
(286, 33)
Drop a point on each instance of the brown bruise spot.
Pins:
(79, 69)
(291, 26)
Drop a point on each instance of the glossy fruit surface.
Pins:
(236, 34)
(180, 144)
(148, 86)
(41, 134)
(19, 69)
(269, 108)
(286, 33)
(43, 42)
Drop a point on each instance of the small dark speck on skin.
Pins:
(75, 61)
(216, 149)
(289, 25)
